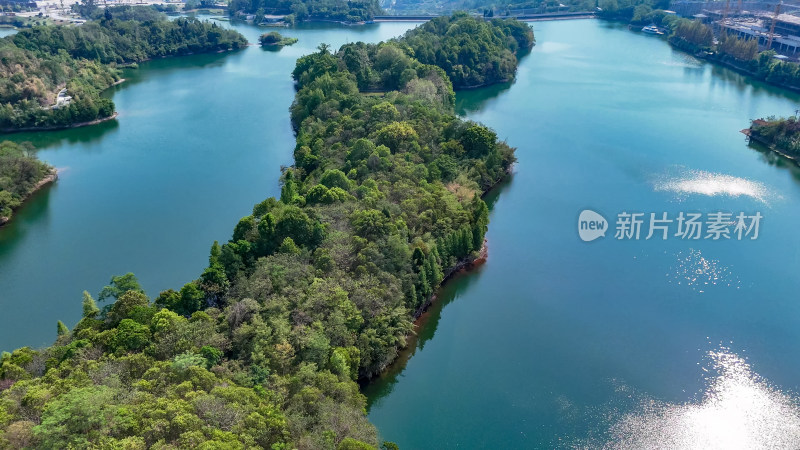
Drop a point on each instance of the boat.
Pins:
(652, 29)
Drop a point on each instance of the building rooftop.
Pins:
(788, 18)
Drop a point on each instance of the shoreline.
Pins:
(713, 58)
(421, 316)
(771, 147)
(104, 119)
(483, 85)
(61, 127)
(48, 179)
(463, 267)
(740, 70)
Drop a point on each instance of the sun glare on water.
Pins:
(700, 182)
(699, 273)
(739, 410)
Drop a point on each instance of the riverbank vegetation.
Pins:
(275, 39)
(313, 291)
(781, 134)
(739, 54)
(21, 174)
(690, 35)
(36, 64)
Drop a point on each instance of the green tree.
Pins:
(90, 309)
(478, 141)
(120, 285)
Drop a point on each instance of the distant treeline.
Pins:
(609, 9)
(36, 63)
(313, 291)
(300, 10)
(20, 174)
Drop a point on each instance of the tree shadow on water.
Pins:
(425, 327)
(474, 100)
(80, 135)
(36, 209)
(775, 159)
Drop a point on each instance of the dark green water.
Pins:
(554, 342)
(560, 343)
(199, 140)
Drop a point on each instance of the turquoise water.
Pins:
(199, 140)
(556, 342)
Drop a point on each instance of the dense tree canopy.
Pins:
(273, 38)
(36, 64)
(314, 290)
(691, 35)
(473, 52)
(20, 173)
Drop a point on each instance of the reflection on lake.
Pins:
(706, 183)
(737, 410)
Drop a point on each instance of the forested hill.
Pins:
(472, 51)
(36, 64)
(300, 10)
(313, 290)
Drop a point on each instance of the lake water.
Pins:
(554, 342)
(557, 342)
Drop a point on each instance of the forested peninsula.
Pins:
(21, 174)
(313, 291)
(52, 76)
